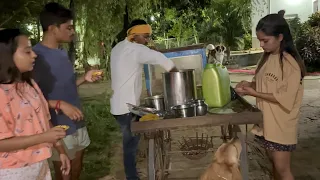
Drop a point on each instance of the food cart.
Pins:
(158, 132)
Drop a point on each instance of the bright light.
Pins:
(30, 27)
(152, 18)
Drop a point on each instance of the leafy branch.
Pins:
(25, 7)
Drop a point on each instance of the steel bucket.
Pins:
(179, 87)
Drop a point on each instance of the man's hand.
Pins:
(71, 111)
(175, 69)
(65, 164)
(93, 75)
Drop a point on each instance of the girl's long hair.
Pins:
(274, 25)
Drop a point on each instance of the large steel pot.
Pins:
(179, 87)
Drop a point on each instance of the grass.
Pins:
(104, 135)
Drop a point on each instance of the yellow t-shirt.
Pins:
(280, 120)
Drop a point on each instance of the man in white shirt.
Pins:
(127, 59)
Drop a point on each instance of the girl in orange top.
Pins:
(278, 88)
(25, 135)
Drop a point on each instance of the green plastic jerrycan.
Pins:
(216, 85)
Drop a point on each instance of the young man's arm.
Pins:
(69, 110)
(81, 80)
(89, 77)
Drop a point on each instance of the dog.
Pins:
(216, 55)
(225, 165)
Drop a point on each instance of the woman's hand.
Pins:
(65, 164)
(53, 135)
(243, 84)
(246, 90)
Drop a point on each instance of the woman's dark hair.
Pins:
(275, 25)
(282, 12)
(9, 73)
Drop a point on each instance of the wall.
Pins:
(238, 61)
(260, 8)
(303, 8)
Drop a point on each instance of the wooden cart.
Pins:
(159, 136)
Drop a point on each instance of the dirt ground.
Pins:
(305, 162)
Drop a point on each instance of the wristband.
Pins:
(57, 108)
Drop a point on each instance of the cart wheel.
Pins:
(167, 149)
(162, 160)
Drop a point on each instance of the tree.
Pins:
(308, 42)
(228, 21)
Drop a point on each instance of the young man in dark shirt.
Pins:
(55, 75)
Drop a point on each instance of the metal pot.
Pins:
(179, 87)
(201, 107)
(156, 102)
(183, 111)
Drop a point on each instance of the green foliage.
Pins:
(177, 23)
(104, 135)
(295, 27)
(97, 23)
(21, 14)
(174, 26)
(308, 45)
(231, 16)
(308, 42)
(18, 13)
(314, 20)
(219, 21)
(226, 22)
(247, 40)
(181, 27)
(187, 4)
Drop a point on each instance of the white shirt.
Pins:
(127, 61)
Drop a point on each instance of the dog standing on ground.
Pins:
(216, 55)
(225, 165)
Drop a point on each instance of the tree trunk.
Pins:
(123, 33)
(228, 53)
(72, 49)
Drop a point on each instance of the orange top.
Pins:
(280, 120)
(23, 112)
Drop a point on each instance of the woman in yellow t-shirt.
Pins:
(278, 88)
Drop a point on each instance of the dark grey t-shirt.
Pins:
(55, 76)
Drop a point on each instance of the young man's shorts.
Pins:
(73, 143)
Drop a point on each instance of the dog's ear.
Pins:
(236, 174)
